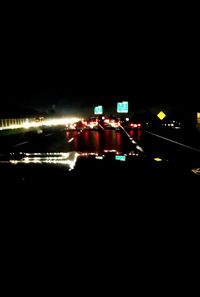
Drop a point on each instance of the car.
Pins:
(111, 123)
(91, 123)
(132, 124)
(80, 125)
(71, 126)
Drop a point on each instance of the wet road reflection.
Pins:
(136, 135)
(60, 140)
(113, 140)
(97, 141)
(90, 141)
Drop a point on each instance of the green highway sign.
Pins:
(122, 107)
(98, 109)
(120, 158)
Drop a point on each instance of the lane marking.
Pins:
(71, 139)
(101, 127)
(173, 141)
(21, 143)
(48, 134)
(133, 141)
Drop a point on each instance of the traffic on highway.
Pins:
(121, 147)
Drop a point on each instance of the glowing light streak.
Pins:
(139, 148)
(71, 139)
(30, 123)
(196, 171)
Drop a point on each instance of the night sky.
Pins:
(73, 92)
(72, 67)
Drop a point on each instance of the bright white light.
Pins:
(26, 160)
(99, 157)
(114, 124)
(61, 121)
(31, 123)
(196, 171)
(71, 139)
(139, 148)
(14, 162)
(127, 119)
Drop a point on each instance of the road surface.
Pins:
(179, 149)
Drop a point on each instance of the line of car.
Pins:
(110, 122)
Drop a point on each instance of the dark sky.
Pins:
(150, 60)
(81, 88)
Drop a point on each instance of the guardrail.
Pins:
(33, 122)
(14, 123)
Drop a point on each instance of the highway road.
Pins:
(175, 148)
(60, 140)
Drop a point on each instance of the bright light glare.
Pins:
(99, 157)
(139, 148)
(31, 123)
(61, 121)
(115, 124)
(196, 171)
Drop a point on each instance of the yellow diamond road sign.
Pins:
(161, 115)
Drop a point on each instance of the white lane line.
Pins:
(21, 143)
(71, 139)
(101, 127)
(131, 139)
(48, 134)
(173, 141)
